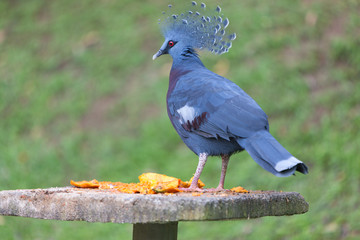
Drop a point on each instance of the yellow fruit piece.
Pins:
(86, 184)
(239, 190)
(159, 182)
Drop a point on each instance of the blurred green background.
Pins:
(80, 98)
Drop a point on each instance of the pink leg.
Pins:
(225, 160)
(200, 167)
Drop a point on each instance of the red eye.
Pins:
(171, 43)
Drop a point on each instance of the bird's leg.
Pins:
(194, 184)
(224, 163)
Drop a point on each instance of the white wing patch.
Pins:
(187, 113)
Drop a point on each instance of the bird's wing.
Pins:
(212, 106)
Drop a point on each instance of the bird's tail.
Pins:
(270, 155)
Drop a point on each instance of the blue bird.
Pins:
(212, 115)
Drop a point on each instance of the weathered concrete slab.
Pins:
(92, 205)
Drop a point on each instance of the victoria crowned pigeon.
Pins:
(212, 115)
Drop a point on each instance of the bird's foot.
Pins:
(192, 189)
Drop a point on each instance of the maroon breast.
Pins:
(175, 74)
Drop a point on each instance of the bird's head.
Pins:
(172, 46)
(196, 28)
(166, 48)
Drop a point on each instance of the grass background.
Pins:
(80, 98)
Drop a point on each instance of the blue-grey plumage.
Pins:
(213, 115)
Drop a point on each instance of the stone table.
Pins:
(153, 216)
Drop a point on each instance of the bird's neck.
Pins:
(187, 58)
(183, 63)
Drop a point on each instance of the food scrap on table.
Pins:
(150, 183)
(239, 190)
(86, 184)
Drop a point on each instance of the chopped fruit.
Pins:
(86, 184)
(160, 183)
(150, 183)
(239, 190)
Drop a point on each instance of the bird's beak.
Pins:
(158, 54)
